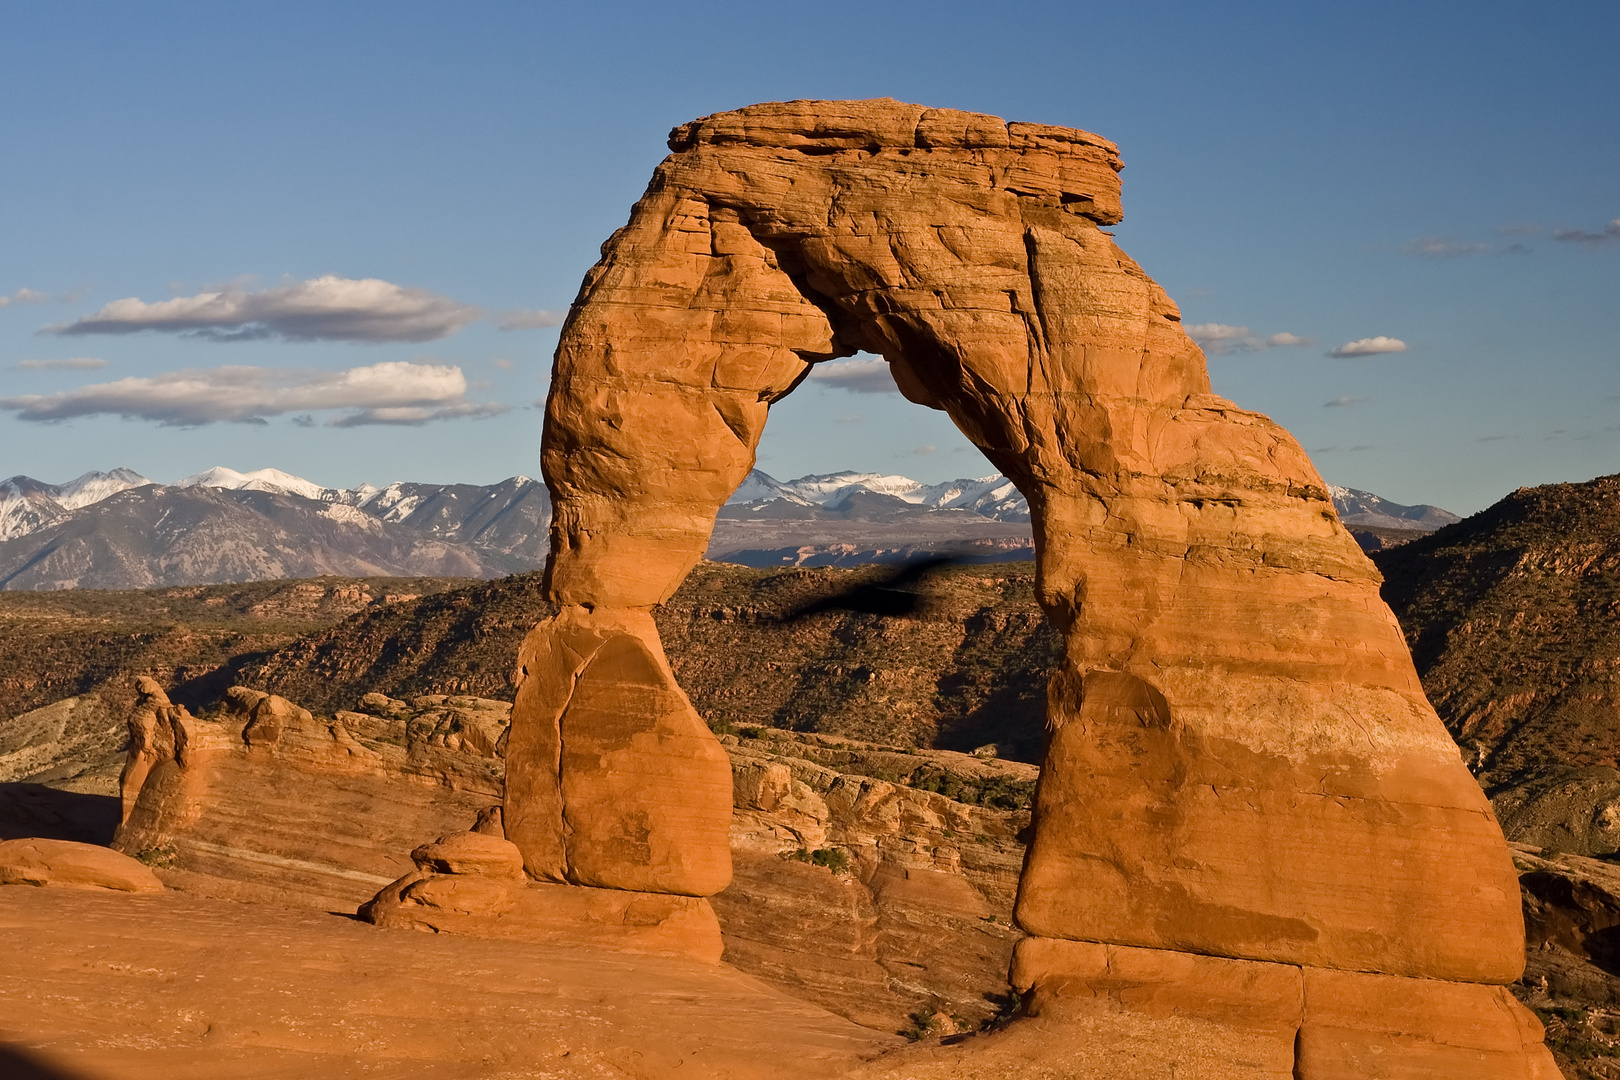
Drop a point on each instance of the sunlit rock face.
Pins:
(1241, 761)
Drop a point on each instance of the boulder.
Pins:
(473, 883)
(73, 865)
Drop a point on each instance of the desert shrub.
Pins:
(834, 859)
(158, 857)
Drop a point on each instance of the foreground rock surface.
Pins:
(172, 987)
(250, 990)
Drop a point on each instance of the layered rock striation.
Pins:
(1241, 763)
(872, 880)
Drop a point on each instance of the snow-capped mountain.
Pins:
(27, 504)
(120, 530)
(92, 487)
(996, 497)
(1367, 510)
(990, 496)
(258, 480)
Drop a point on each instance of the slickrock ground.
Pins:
(178, 987)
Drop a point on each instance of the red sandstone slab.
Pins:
(170, 987)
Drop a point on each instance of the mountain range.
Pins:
(120, 530)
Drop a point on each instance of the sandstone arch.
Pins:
(1242, 764)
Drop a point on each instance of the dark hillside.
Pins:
(63, 643)
(1513, 616)
(967, 667)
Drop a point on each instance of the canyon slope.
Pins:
(1511, 617)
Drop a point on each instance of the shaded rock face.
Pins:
(1242, 763)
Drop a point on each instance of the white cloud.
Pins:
(1217, 338)
(503, 363)
(74, 363)
(1341, 402)
(395, 392)
(924, 451)
(863, 375)
(1369, 346)
(1611, 232)
(322, 309)
(1443, 247)
(526, 320)
(23, 296)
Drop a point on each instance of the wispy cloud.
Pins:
(24, 296)
(396, 392)
(863, 375)
(1608, 234)
(1369, 346)
(924, 451)
(1216, 338)
(321, 309)
(502, 362)
(526, 319)
(1443, 247)
(75, 363)
(1341, 402)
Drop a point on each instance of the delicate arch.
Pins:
(1243, 763)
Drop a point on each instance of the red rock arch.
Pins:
(1242, 762)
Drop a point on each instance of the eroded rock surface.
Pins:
(875, 881)
(261, 800)
(1242, 762)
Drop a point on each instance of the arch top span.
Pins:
(1242, 763)
(965, 250)
(1078, 169)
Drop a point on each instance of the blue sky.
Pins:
(1442, 174)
